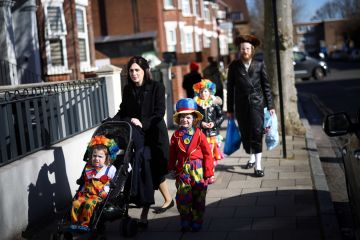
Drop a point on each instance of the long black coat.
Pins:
(189, 80)
(249, 92)
(149, 107)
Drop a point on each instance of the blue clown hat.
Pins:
(186, 105)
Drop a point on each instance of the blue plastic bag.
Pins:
(272, 134)
(233, 138)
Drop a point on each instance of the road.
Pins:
(338, 92)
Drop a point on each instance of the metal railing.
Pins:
(39, 115)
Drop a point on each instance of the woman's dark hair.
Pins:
(142, 62)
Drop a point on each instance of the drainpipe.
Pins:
(135, 14)
(7, 41)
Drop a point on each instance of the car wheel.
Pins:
(318, 73)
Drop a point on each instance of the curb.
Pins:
(327, 214)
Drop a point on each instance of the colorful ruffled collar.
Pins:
(204, 103)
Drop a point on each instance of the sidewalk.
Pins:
(291, 201)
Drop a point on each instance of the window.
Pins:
(185, 5)
(188, 42)
(55, 38)
(207, 13)
(187, 39)
(83, 38)
(196, 8)
(170, 29)
(169, 4)
(236, 16)
(198, 39)
(57, 58)
(207, 39)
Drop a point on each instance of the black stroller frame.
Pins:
(116, 204)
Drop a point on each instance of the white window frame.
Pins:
(61, 35)
(188, 39)
(171, 38)
(185, 6)
(198, 39)
(223, 45)
(194, 7)
(168, 5)
(84, 65)
(207, 39)
(206, 13)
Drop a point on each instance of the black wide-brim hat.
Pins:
(247, 38)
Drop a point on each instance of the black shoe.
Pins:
(259, 173)
(163, 209)
(249, 165)
(143, 224)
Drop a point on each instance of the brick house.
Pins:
(45, 40)
(66, 39)
(322, 36)
(176, 31)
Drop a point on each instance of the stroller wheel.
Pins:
(54, 236)
(66, 236)
(128, 227)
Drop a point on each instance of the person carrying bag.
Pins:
(233, 138)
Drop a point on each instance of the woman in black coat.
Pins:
(248, 91)
(143, 104)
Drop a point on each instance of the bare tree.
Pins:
(257, 16)
(293, 125)
(297, 8)
(338, 9)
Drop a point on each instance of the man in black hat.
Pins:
(248, 92)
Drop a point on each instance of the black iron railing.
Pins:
(39, 115)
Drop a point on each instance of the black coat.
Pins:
(213, 114)
(249, 92)
(148, 105)
(189, 80)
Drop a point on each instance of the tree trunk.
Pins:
(293, 125)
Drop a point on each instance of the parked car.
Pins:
(305, 66)
(339, 55)
(340, 124)
(355, 54)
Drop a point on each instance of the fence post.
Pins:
(112, 77)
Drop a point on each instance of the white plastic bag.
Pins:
(272, 134)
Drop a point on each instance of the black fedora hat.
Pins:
(247, 38)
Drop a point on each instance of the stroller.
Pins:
(116, 204)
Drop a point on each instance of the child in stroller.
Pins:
(96, 178)
(105, 184)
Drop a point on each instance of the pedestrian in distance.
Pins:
(209, 106)
(212, 72)
(190, 79)
(192, 165)
(143, 104)
(248, 93)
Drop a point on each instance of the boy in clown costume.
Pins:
(191, 163)
(209, 107)
(97, 175)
